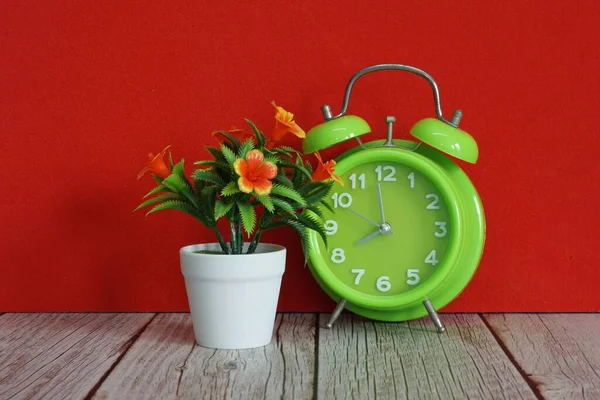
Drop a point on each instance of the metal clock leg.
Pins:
(336, 313)
(434, 316)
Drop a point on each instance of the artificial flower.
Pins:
(284, 124)
(255, 173)
(239, 134)
(325, 171)
(157, 165)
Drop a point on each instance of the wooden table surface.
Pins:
(153, 356)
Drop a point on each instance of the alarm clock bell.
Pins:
(439, 133)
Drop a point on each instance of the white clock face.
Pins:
(390, 229)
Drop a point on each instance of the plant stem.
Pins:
(233, 238)
(221, 241)
(240, 238)
(254, 243)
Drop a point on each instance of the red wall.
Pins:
(87, 89)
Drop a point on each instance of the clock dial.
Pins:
(390, 231)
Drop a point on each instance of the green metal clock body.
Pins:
(408, 225)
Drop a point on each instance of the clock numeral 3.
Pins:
(360, 273)
(389, 177)
(443, 230)
(343, 200)
(383, 284)
(331, 227)
(434, 203)
(338, 256)
(361, 179)
(413, 277)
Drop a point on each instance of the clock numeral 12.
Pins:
(360, 273)
(412, 276)
(361, 179)
(343, 200)
(389, 177)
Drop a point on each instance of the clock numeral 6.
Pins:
(383, 283)
(389, 177)
(431, 258)
(360, 273)
(338, 256)
(331, 227)
(434, 203)
(413, 277)
(343, 200)
(442, 228)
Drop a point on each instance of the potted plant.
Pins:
(256, 185)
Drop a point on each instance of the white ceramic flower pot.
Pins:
(233, 298)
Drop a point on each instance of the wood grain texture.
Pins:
(61, 355)
(360, 358)
(165, 363)
(560, 353)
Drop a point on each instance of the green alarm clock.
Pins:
(407, 229)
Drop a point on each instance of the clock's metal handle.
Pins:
(401, 67)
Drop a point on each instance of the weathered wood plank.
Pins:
(360, 358)
(560, 353)
(165, 363)
(61, 355)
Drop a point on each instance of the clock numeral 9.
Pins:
(432, 258)
(389, 177)
(338, 256)
(361, 179)
(343, 200)
(360, 273)
(442, 228)
(331, 227)
(434, 203)
(413, 277)
(383, 284)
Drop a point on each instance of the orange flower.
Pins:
(284, 123)
(157, 165)
(255, 173)
(325, 171)
(239, 134)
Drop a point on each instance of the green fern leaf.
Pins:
(228, 154)
(156, 190)
(245, 148)
(298, 168)
(290, 193)
(230, 189)
(222, 208)
(176, 205)
(216, 153)
(312, 223)
(317, 210)
(261, 140)
(266, 201)
(235, 143)
(318, 194)
(285, 206)
(213, 163)
(208, 175)
(327, 205)
(181, 186)
(248, 216)
(283, 180)
(157, 178)
(158, 199)
(298, 227)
